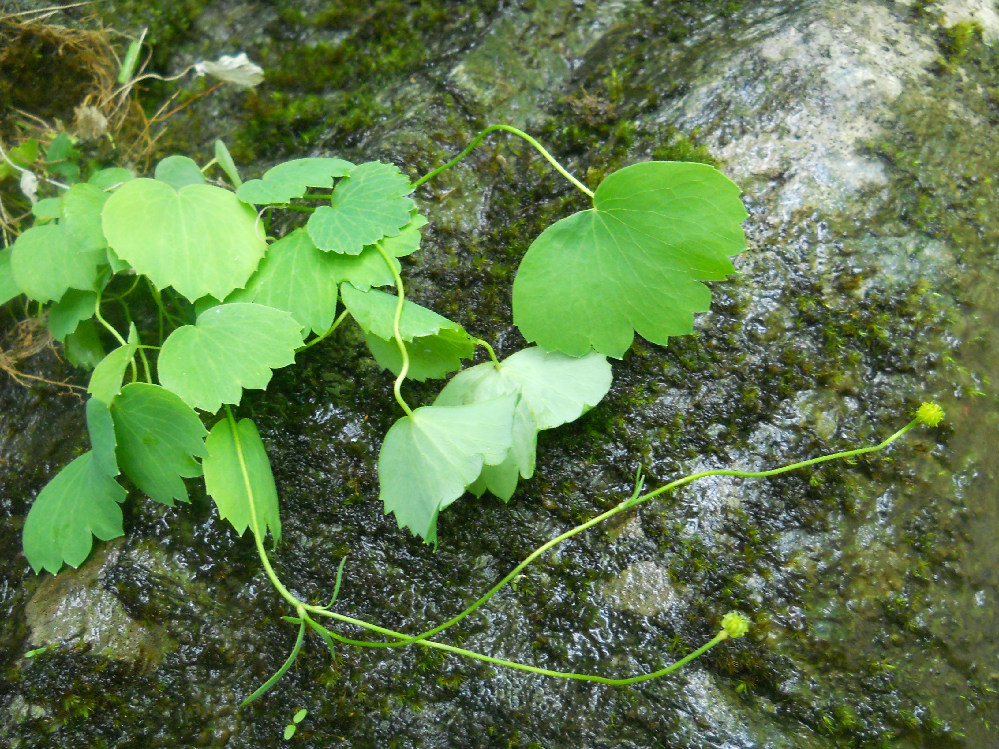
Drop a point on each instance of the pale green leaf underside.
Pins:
(8, 286)
(200, 239)
(227, 485)
(553, 389)
(47, 208)
(100, 427)
(66, 314)
(110, 177)
(430, 357)
(291, 179)
(79, 502)
(226, 164)
(633, 262)
(232, 346)
(296, 277)
(159, 438)
(368, 204)
(105, 381)
(47, 263)
(429, 458)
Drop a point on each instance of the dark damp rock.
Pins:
(865, 138)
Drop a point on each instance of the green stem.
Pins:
(635, 499)
(327, 334)
(520, 133)
(397, 386)
(722, 635)
(489, 349)
(115, 333)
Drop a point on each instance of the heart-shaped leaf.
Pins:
(296, 277)
(79, 502)
(232, 346)
(633, 262)
(430, 456)
(199, 239)
(291, 179)
(368, 204)
(240, 495)
(159, 436)
(47, 263)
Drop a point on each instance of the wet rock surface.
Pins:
(865, 139)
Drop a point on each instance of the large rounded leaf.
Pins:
(631, 263)
(199, 239)
(232, 346)
(46, 263)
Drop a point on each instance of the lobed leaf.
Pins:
(291, 179)
(81, 501)
(374, 311)
(240, 496)
(46, 263)
(296, 277)
(429, 457)
(65, 315)
(159, 438)
(551, 389)
(231, 347)
(369, 268)
(199, 239)
(369, 203)
(633, 262)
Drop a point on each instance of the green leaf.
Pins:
(50, 208)
(100, 427)
(368, 204)
(435, 344)
(291, 179)
(231, 347)
(430, 357)
(199, 239)
(369, 268)
(552, 389)
(224, 159)
(105, 381)
(631, 263)
(8, 286)
(289, 731)
(81, 216)
(179, 171)
(79, 502)
(46, 263)
(110, 177)
(237, 495)
(159, 436)
(83, 348)
(300, 715)
(429, 457)
(66, 314)
(298, 278)
(374, 311)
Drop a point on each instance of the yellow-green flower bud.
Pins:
(930, 414)
(734, 624)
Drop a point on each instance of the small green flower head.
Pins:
(930, 414)
(734, 624)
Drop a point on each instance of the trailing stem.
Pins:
(733, 624)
